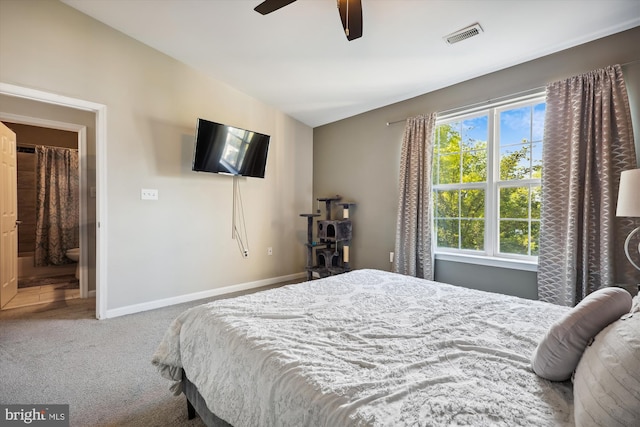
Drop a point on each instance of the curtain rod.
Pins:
(23, 145)
(485, 102)
(489, 101)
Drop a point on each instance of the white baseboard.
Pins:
(137, 308)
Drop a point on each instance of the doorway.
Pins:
(46, 271)
(45, 105)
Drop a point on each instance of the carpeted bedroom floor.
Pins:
(101, 368)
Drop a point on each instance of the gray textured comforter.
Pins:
(368, 348)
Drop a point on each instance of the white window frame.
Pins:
(490, 256)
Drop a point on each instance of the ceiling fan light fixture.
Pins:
(463, 34)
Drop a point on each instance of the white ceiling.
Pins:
(298, 60)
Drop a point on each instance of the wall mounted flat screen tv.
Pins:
(229, 150)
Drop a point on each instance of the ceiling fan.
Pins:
(350, 14)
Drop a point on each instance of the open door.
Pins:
(8, 216)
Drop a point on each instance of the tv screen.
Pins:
(229, 150)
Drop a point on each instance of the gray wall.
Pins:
(358, 157)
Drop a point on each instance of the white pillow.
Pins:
(559, 351)
(606, 385)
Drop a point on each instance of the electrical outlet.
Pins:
(245, 253)
(269, 250)
(391, 254)
(149, 194)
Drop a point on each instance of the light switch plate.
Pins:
(149, 194)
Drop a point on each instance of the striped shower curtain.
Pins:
(57, 205)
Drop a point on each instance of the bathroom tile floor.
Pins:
(48, 290)
(65, 281)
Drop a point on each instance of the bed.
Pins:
(365, 348)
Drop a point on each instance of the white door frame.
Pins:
(100, 111)
(81, 131)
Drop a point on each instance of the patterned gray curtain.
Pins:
(588, 142)
(413, 251)
(57, 206)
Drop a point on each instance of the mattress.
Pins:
(368, 348)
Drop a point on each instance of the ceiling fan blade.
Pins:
(351, 16)
(269, 6)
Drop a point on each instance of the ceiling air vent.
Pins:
(463, 34)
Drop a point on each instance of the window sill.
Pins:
(514, 264)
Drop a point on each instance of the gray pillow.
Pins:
(606, 385)
(559, 351)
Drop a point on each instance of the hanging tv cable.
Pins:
(239, 227)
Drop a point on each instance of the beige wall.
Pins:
(180, 244)
(30, 136)
(359, 157)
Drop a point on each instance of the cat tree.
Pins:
(334, 237)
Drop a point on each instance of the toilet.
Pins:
(74, 255)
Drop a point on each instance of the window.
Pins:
(487, 167)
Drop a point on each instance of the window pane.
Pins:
(515, 126)
(435, 171)
(515, 162)
(536, 160)
(472, 204)
(474, 166)
(472, 232)
(514, 202)
(449, 169)
(537, 127)
(535, 238)
(447, 204)
(448, 138)
(536, 201)
(475, 133)
(514, 237)
(447, 233)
